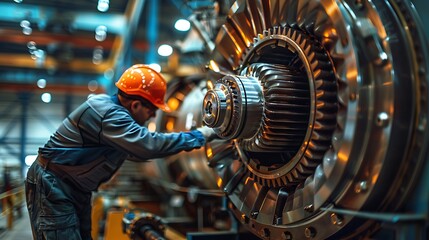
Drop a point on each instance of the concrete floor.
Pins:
(21, 229)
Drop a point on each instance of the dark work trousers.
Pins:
(57, 210)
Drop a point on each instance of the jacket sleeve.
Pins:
(120, 131)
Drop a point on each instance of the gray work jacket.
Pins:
(95, 139)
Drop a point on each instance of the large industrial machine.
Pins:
(321, 109)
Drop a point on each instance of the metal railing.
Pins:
(12, 200)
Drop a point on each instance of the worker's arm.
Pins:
(119, 130)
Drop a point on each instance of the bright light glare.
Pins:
(27, 31)
(182, 25)
(103, 5)
(213, 66)
(165, 50)
(29, 159)
(25, 24)
(92, 85)
(155, 66)
(41, 83)
(39, 53)
(189, 121)
(101, 33)
(31, 45)
(109, 73)
(46, 97)
(151, 126)
(97, 55)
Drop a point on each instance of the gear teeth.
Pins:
(307, 49)
(284, 31)
(325, 87)
(289, 32)
(293, 34)
(265, 33)
(298, 39)
(303, 44)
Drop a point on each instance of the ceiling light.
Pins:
(93, 85)
(39, 53)
(103, 5)
(41, 83)
(155, 66)
(165, 50)
(109, 73)
(31, 45)
(27, 31)
(25, 24)
(32, 48)
(46, 97)
(182, 25)
(29, 159)
(101, 33)
(26, 28)
(39, 56)
(97, 55)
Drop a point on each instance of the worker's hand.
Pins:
(208, 133)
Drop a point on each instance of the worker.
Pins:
(89, 147)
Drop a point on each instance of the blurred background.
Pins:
(54, 54)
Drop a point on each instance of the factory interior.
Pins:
(320, 109)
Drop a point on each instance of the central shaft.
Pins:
(234, 107)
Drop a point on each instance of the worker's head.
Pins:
(143, 89)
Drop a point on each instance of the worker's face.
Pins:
(142, 112)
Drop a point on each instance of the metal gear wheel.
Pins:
(367, 108)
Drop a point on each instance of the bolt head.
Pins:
(336, 219)
(361, 186)
(310, 232)
(382, 119)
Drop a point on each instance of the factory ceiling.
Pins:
(71, 42)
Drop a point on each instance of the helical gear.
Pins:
(286, 109)
(301, 133)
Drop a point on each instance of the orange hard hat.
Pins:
(141, 80)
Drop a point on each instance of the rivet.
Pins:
(382, 119)
(265, 232)
(254, 214)
(287, 236)
(361, 186)
(244, 219)
(309, 208)
(310, 232)
(336, 219)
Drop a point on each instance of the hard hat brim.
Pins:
(164, 107)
